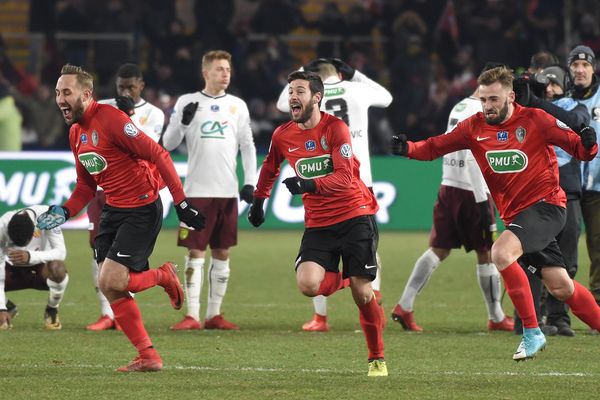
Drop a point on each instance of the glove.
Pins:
(400, 145)
(485, 217)
(247, 193)
(188, 113)
(522, 90)
(313, 66)
(346, 70)
(298, 185)
(125, 104)
(256, 214)
(55, 216)
(190, 216)
(588, 136)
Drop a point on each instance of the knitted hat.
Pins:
(582, 53)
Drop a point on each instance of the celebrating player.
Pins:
(339, 208)
(513, 147)
(112, 153)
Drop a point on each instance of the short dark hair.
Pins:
(542, 59)
(20, 228)
(315, 84)
(129, 71)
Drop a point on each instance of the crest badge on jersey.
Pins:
(95, 138)
(520, 134)
(346, 150)
(130, 130)
(83, 138)
(502, 136)
(215, 108)
(310, 145)
(324, 143)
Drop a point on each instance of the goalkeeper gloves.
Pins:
(256, 214)
(298, 185)
(55, 216)
(190, 216)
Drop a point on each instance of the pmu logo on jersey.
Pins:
(213, 129)
(310, 145)
(502, 136)
(334, 92)
(506, 161)
(94, 163)
(314, 167)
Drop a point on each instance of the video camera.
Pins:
(527, 85)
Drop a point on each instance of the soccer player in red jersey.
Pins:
(513, 146)
(339, 208)
(112, 153)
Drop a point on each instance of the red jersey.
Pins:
(112, 153)
(516, 157)
(324, 154)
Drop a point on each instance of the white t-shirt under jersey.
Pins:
(147, 117)
(220, 128)
(460, 169)
(350, 101)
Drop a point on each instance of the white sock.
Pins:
(192, 278)
(218, 277)
(419, 276)
(320, 304)
(104, 304)
(489, 282)
(57, 291)
(376, 284)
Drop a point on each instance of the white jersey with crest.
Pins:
(45, 246)
(147, 117)
(350, 101)
(220, 128)
(460, 169)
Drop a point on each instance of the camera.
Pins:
(527, 85)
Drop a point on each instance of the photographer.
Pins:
(547, 89)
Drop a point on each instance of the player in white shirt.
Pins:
(216, 126)
(31, 259)
(462, 216)
(150, 120)
(348, 96)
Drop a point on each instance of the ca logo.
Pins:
(212, 128)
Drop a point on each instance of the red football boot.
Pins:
(147, 363)
(406, 319)
(507, 324)
(187, 324)
(170, 282)
(218, 322)
(318, 323)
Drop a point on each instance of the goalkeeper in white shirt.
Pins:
(31, 258)
(150, 120)
(215, 126)
(348, 96)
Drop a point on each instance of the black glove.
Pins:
(190, 216)
(247, 193)
(346, 70)
(522, 90)
(588, 136)
(298, 185)
(400, 145)
(189, 111)
(125, 104)
(313, 66)
(485, 216)
(256, 214)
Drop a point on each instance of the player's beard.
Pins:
(76, 112)
(305, 116)
(500, 117)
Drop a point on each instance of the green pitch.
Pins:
(271, 358)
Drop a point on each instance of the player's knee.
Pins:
(307, 288)
(57, 271)
(562, 292)
(501, 258)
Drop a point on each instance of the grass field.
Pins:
(271, 358)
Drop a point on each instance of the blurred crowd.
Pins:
(427, 53)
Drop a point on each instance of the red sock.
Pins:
(517, 287)
(332, 282)
(584, 306)
(128, 315)
(139, 281)
(370, 320)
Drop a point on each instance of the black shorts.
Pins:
(128, 235)
(537, 228)
(354, 241)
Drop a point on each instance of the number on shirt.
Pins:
(339, 108)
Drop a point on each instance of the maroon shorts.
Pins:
(19, 278)
(220, 231)
(94, 210)
(456, 221)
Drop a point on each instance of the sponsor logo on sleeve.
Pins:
(346, 150)
(561, 124)
(130, 130)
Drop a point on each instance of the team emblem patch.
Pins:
(84, 138)
(502, 136)
(215, 108)
(561, 124)
(310, 145)
(346, 150)
(130, 130)
(95, 138)
(520, 134)
(183, 233)
(232, 109)
(324, 143)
